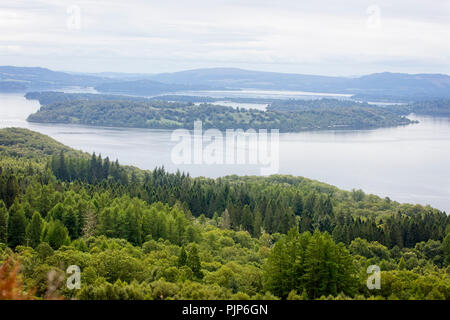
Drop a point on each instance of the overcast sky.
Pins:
(326, 37)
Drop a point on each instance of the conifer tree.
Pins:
(17, 225)
(70, 221)
(193, 262)
(402, 264)
(4, 215)
(182, 259)
(34, 230)
(12, 190)
(56, 234)
(257, 223)
(225, 220)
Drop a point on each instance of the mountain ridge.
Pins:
(376, 86)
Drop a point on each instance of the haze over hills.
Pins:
(378, 86)
(36, 78)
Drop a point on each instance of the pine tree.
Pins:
(311, 262)
(70, 221)
(93, 177)
(193, 262)
(247, 220)
(257, 223)
(446, 248)
(283, 269)
(402, 264)
(298, 205)
(16, 226)
(34, 230)
(62, 172)
(57, 212)
(269, 217)
(329, 268)
(306, 220)
(56, 234)
(133, 225)
(12, 190)
(3, 222)
(182, 259)
(225, 220)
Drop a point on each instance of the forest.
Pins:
(156, 235)
(174, 115)
(438, 108)
(49, 97)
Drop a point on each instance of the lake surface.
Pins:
(408, 164)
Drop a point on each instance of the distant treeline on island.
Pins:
(287, 116)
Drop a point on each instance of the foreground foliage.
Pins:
(155, 235)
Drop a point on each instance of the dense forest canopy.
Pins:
(157, 235)
(290, 115)
(438, 108)
(173, 115)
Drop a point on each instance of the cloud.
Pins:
(322, 37)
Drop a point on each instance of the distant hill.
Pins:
(378, 86)
(149, 87)
(238, 78)
(373, 87)
(21, 79)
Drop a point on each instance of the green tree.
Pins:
(71, 222)
(257, 223)
(56, 234)
(12, 190)
(306, 219)
(182, 258)
(446, 248)
(298, 205)
(193, 262)
(62, 172)
(34, 230)
(284, 268)
(225, 221)
(17, 225)
(402, 264)
(247, 219)
(3, 222)
(312, 263)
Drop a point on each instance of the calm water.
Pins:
(408, 164)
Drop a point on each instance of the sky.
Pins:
(325, 37)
